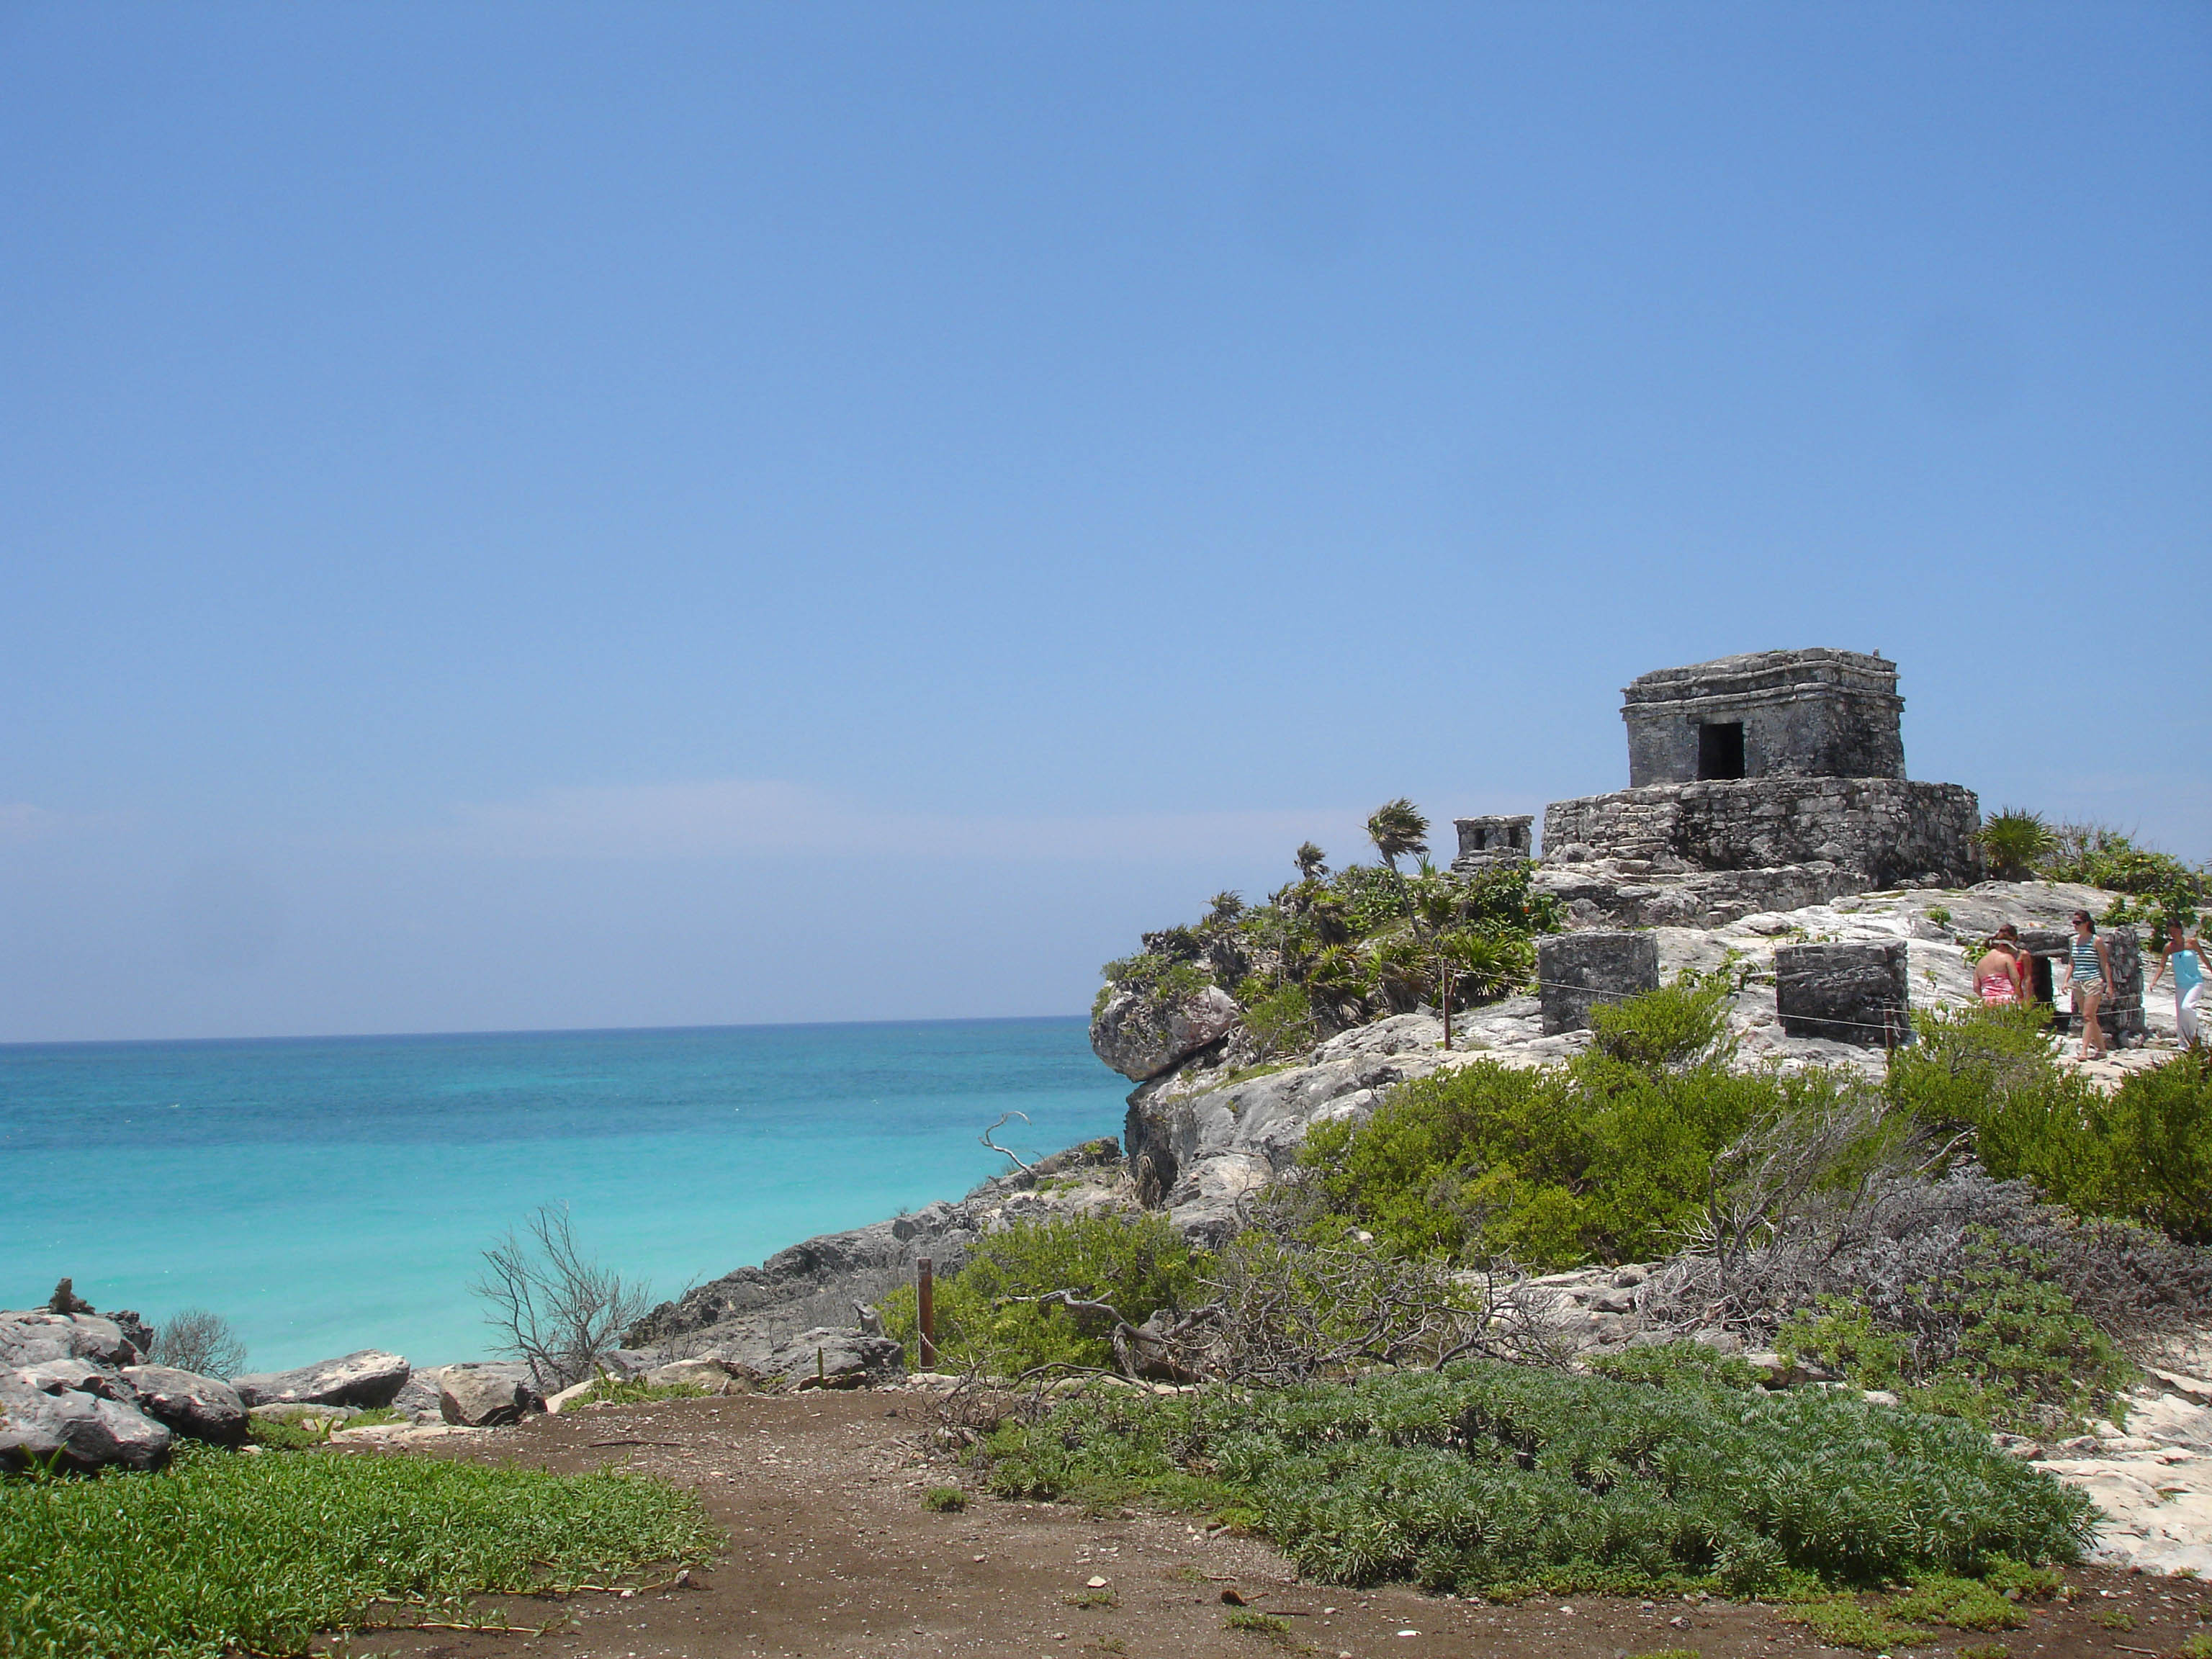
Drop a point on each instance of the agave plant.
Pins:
(1485, 964)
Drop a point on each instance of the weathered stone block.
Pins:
(1858, 993)
(1576, 971)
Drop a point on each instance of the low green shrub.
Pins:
(635, 1391)
(1677, 1365)
(1489, 1475)
(945, 1500)
(1848, 1622)
(2000, 1344)
(1138, 1264)
(2098, 856)
(1603, 1159)
(1681, 1025)
(224, 1552)
(2143, 1153)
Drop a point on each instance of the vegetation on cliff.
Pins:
(1334, 949)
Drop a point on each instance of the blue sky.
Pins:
(538, 516)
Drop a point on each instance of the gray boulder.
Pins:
(87, 1431)
(1140, 1033)
(711, 1375)
(483, 1396)
(27, 1338)
(418, 1401)
(819, 1358)
(369, 1378)
(202, 1407)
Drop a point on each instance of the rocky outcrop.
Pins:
(1140, 1034)
(26, 1338)
(369, 1377)
(821, 1359)
(821, 1283)
(83, 1429)
(200, 1408)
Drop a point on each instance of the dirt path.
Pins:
(832, 1554)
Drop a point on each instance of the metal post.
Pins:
(925, 1282)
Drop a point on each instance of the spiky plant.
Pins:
(1312, 862)
(2015, 841)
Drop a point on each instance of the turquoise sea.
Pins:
(332, 1194)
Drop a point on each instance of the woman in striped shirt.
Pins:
(2090, 976)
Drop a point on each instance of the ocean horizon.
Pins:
(328, 1193)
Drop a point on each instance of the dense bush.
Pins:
(986, 1315)
(1600, 1160)
(2144, 1152)
(1684, 1024)
(222, 1553)
(1997, 1341)
(1488, 1476)
(2098, 856)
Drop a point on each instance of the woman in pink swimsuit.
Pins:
(2002, 974)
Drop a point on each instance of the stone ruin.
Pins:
(1486, 841)
(1766, 782)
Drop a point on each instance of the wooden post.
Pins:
(1443, 991)
(925, 1284)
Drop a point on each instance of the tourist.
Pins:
(2002, 974)
(2185, 954)
(2089, 977)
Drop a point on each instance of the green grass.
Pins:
(635, 1391)
(224, 1552)
(945, 1500)
(1258, 1624)
(1489, 1477)
(1850, 1623)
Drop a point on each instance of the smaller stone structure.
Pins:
(2121, 1015)
(1857, 993)
(1820, 713)
(1497, 840)
(1575, 971)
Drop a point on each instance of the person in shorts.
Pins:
(2089, 977)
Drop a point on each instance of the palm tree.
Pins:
(1312, 862)
(1398, 828)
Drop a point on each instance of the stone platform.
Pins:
(1887, 829)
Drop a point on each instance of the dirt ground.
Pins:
(832, 1554)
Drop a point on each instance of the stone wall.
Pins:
(1803, 714)
(1888, 829)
